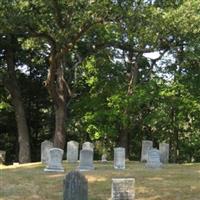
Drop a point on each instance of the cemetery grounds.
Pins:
(172, 182)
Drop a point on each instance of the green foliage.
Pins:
(106, 41)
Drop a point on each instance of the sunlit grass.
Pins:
(173, 182)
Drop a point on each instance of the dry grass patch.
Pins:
(173, 182)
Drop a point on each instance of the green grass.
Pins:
(173, 182)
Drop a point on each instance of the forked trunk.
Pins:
(60, 93)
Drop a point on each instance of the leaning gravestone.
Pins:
(123, 189)
(146, 146)
(2, 157)
(75, 186)
(45, 146)
(72, 151)
(164, 152)
(88, 145)
(153, 160)
(55, 161)
(86, 160)
(119, 158)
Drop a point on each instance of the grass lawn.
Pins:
(173, 182)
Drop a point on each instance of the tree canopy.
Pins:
(112, 72)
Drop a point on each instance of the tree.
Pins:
(10, 45)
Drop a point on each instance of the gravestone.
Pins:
(86, 160)
(123, 189)
(146, 146)
(55, 161)
(119, 158)
(75, 186)
(104, 158)
(72, 151)
(45, 146)
(153, 160)
(164, 152)
(2, 157)
(88, 145)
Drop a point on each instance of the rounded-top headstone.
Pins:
(88, 145)
(75, 186)
(153, 160)
(86, 160)
(55, 161)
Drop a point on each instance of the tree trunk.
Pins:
(60, 93)
(174, 138)
(59, 136)
(123, 141)
(14, 90)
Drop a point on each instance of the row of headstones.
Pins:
(72, 150)
(153, 157)
(52, 157)
(76, 187)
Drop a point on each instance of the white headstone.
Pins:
(146, 146)
(88, 145)
(86, 160)
(123, 189)
(104, 158)
(119, 158)
(45, 146)
(153, 160)
(72, 151)
(55, 161)
(164, 152)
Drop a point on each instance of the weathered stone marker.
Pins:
(45, 147)
(88, 145)
(55, 161)
(164, 152)
(119, 158)
(123, 189)
(75, 186)
(86, 160)
(104, 158)
(153, 160)
(146, 146)
(72, 151)
(2, 156)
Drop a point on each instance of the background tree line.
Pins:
(81, 70)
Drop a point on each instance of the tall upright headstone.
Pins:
(123, 189)
(88, 145)
(75, 186)
(55, 161)
(86, 160)
(45, 146)
(146, 146)
(119, 158)
(164, 152)
(72, 151)
(153, 160)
